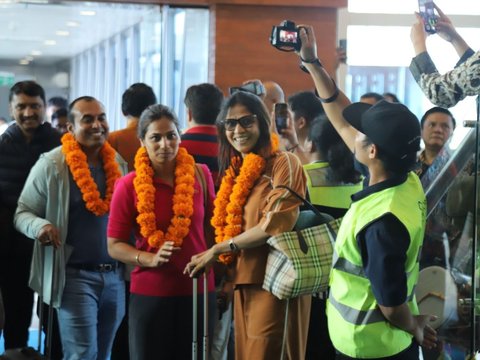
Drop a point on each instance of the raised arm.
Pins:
(447, 32)
(448, 89)
(326, 87)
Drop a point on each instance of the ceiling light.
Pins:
(36, 53)
(33, 1)
(71, 23)
(62, 33)
(88, 13)
(23, 62)
(50, 42)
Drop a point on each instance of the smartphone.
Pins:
(427, 12)
(342, 45)
(281, 115)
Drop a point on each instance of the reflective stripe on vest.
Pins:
(357, 317)
(344, 265)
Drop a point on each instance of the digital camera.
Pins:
(285, 37)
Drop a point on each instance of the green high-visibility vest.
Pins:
(356, 325)
(324, 192)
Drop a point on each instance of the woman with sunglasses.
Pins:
(250, 207)
(164, 203)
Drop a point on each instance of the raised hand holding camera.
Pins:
(289, 37)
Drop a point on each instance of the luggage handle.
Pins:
(195, 317)
(48, 348)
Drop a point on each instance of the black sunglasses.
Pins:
(245, 122)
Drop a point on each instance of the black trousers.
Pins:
(120, 348)
(15, 258)
(161, 327)
(319, 345)
(410, 353)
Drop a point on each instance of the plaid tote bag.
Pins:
(299, 261)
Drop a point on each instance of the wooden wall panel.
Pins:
(243, 51)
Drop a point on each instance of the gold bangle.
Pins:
(137, 258)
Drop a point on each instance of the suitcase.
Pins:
(195, 318)
(29, 353)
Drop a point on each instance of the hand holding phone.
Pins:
(427, 12)
(342, 51)
(281, 115)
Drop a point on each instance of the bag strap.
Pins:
(208, 231)
(311, 207)
(307, 203)
(203, 183)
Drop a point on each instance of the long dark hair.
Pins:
(326, 140)
(254, 105)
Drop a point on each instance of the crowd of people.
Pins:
(110, 227)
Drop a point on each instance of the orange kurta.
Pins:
(126, 142)
(259, 316)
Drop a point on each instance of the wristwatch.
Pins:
(233, 246)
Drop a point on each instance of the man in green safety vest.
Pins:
(372, 311)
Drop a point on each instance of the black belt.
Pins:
(106, 267)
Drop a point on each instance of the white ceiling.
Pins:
(27, 25)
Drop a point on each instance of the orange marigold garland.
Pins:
(182, 199)
(232, 196)
(78, 165)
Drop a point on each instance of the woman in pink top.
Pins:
(164, 205)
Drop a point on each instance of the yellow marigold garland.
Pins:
(182, 199)
(232, 196)
(78, 165)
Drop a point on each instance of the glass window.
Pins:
(167, 48)
(378, 61)
(457, 7)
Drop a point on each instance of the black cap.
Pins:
(391, 126)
